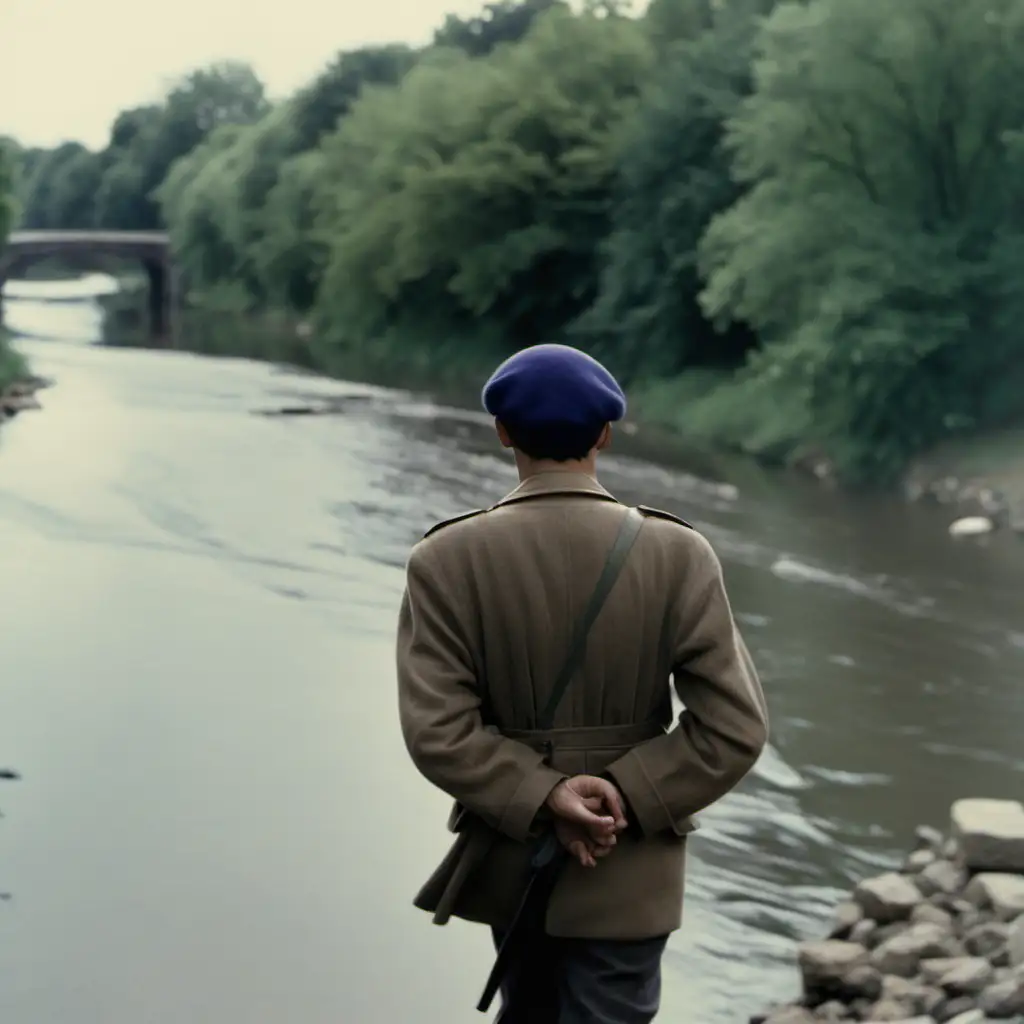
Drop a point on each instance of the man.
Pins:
(536, 645)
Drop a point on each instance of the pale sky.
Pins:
(68, 66)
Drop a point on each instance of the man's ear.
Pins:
(506, 441)
(605, 439)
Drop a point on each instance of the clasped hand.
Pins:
(588, 815)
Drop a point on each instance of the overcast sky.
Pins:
(68, 66)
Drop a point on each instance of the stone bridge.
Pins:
(81, 248)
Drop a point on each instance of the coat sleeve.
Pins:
(501, 780)
(724, 726)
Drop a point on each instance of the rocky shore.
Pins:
(941, 940)
(19, 396)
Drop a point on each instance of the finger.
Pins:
(590, 787)
(579, 850)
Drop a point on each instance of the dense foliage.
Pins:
(799, 220)
(11, 365)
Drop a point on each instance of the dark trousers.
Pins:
(582, 981)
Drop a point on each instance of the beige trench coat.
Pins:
(490, 601)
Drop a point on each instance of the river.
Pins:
(217, 822)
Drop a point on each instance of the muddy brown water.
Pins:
(217, 823)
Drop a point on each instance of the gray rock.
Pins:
(831, 1011)
(915, 995)
(954, 1007)
(986, 939)
(943, 876)
(927, 913)
(1000, 892)
(917, 861)
(823, 965)
(889, 931)
(974, 1016)
(864, 933)
(863, 982)
(889, 897)
(1015, 942)
(902, 954)
(791, 1015)
(1000, 960)
(847, 916)
(891, 1010)
(990, 834)
(1003, 1000)
(933, 969)
(967, 977)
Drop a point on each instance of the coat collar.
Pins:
(561, 482)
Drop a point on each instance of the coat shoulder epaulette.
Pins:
(454, 519)
(658, 513)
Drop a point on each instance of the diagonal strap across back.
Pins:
(627, 535)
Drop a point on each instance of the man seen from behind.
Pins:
(538, 644)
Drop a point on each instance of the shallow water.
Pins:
(217, 822)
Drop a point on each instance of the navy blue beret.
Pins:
(547, 384)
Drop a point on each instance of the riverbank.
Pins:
(980, 477)
(17, 387)
(940, 940)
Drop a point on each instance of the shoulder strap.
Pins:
(658, 513)
(454, 519)
(627, 534)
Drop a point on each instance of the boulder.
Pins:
(933, 969)
(1015, 942)
(986, 939)
(847, 916)
(888, 1010)
(953, 1006)
(824, 965)
(863, 982)
(1004, 999)
(915, 995)
(864, 933)
(902, 954)
(889, 897)
(927, 913)
(967, 976)
(969, 1017)
(918, 861)
(943, 876)
(831, 1011)
(1000, 892)
(791, 1015)
(990, 834)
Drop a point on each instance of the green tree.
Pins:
(499, 23)
(317, 109)
(60, 190)
(7, 157)
(147, 141)
(674, 176)
(291, 255)
(194, 198)
(872, 252)
(477, 191)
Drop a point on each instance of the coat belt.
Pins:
(587, 737)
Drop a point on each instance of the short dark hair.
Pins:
(559, 442)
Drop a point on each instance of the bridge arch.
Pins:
(151, 249)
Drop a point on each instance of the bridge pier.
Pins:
(163, 302)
